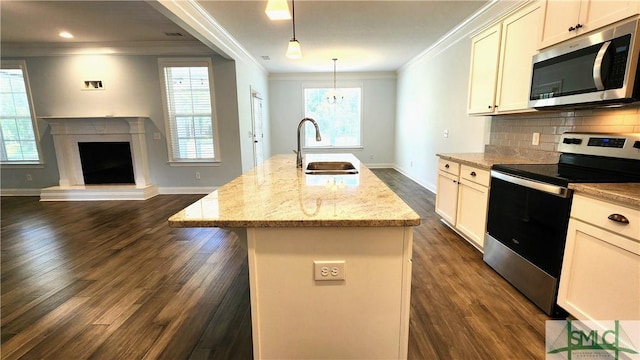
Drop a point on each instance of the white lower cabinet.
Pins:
(600, 277)
(462, 198)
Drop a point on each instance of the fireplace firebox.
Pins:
(106, 163)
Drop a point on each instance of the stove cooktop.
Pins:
(562, 174)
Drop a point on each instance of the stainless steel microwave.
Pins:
(595, 69)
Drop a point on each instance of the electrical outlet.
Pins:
(156, 136)
(197, 175)
(371, 157)
(329, 270)
(446, 133)
(535, 139)
(29, 178)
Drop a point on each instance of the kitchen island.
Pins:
(329, 258)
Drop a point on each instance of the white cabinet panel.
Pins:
(600, 274)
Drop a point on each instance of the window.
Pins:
(188, 103)
(340, 124)
(18, 139)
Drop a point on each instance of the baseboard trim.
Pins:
(19, 192)
(192, 190)
(429, 187)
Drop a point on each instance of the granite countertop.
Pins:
(625, 193)
(486, 160)
(277, 194)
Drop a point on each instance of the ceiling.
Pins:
(363, 35)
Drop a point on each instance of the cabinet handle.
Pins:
(489, 107)
(578, 26)
(618, 218)
(446, 166)
(572, 28)
(473, 173)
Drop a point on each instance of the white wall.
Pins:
(250, 77)
(432, 97)
(286, 101)
(131, 87)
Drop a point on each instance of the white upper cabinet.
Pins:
(518, 46)
(564, 19)
(500, 73)
(485, 50)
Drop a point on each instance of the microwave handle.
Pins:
(597, 65)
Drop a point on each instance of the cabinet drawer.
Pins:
(449, 166)
(597, 212)
(478, 176)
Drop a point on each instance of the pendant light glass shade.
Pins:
(278, 10)
(294, 51)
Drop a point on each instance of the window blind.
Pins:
(189, 113)
(17, 135)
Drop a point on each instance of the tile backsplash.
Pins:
(516, 131)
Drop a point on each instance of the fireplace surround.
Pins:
(68, 132)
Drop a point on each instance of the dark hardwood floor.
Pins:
(111, 280)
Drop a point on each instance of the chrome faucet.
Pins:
(318, 138)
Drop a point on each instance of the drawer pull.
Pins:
(618, 218)
(473, 173)
(446, 166)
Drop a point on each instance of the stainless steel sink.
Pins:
(330, 168)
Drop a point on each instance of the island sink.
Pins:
(330, 167)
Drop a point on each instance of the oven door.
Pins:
(526, 229)
(530, 218)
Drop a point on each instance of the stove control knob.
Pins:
(636, 144)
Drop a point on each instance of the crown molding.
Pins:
(119, 48)
(481, 19)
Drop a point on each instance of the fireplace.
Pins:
(81, 144)
(106, 162)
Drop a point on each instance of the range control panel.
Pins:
(601, 144)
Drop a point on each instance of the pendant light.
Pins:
(278, 10)
(333, 97)
(294, 51)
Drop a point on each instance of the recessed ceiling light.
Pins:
(66, 35)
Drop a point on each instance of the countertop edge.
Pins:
(292, 223)
(606, 192)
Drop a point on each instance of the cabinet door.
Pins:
(600, 274)
(595, 14)
(472, 211)
(447, 196)
(518, 45)
(485, 49)
(558, 17)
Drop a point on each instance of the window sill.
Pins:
(339, 148)
(194, 163)
(22, 165)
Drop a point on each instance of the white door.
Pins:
(256, 120)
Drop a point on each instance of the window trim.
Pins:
(328, 84)
(189, 62)
(22, 65)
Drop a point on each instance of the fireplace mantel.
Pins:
(68, 131)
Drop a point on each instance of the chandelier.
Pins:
(334, 96)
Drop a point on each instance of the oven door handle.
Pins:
(548, 188)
